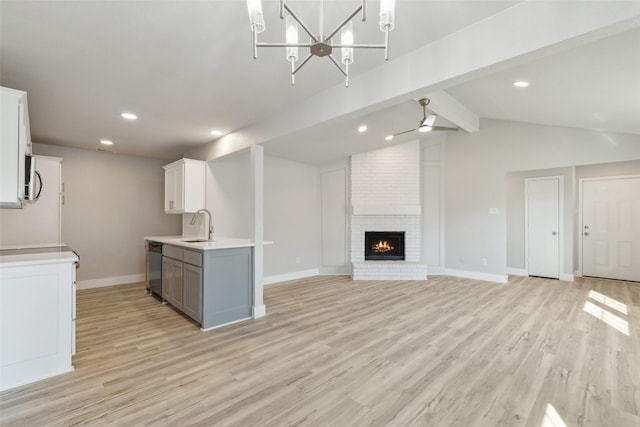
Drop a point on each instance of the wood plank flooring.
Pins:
(334, 352)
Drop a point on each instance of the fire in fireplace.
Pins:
(384, 245)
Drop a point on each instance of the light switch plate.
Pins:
(494, 211)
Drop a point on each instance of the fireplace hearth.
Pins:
(384, 245)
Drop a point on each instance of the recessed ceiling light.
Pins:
(362, 128)
(216, 132)
(128, 116)
(388, 137)
(106, 142)
(521, 83)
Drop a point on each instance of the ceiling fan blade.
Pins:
(431, 118)
(444, 128)
(403, 132)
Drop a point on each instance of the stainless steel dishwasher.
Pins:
(154, 268)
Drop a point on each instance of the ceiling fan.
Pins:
(426, 124)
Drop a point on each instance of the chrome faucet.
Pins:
(193, 221)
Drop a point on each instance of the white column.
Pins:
(257, 171)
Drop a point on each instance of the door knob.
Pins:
(554, 233)
(586, 233)
(586, 227)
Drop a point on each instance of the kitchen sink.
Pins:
(198, 241)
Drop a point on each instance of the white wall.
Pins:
(291, 219)
(112, 201)
(228, 198)
(475, 180)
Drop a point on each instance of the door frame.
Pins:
(560, 178)
(581, 210)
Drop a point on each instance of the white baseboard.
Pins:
(517, 271)
(259, 311)
(498, 278)
(224, 324)
(269, 280)
(566, 277)
(435, 270)
(335, 271)
(110, 281)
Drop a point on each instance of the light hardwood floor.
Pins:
(334, 352)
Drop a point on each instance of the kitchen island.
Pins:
(210, 281)
(37, 313)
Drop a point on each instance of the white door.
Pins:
(611, 228)
(543, 216)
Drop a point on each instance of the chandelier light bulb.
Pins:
(387, 15)
(346, 38)
(255, 15)
(292, 38)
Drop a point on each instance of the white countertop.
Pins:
(216, 243)
(13, 256)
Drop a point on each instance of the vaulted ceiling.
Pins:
(186, 68)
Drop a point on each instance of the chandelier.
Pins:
(321, 45)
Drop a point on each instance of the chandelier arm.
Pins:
(284, 44)
(359, 46)
(343, 23)
(302, 24)
(337, 65)
(304, 61)
(281, 9)
(364, 10)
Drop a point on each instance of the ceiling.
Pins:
(186, 67)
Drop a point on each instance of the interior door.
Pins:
(543, 215)
(611, 228)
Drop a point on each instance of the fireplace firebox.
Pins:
(384, 245)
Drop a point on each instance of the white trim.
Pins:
(33, 379)
(386, 210)
(225, 324)
(566, 277)
(578, 272)
(343, 270)
(561, 230)
(435, 271)
(487, 277)
(110, 281)
(259, 311)
(517, 271)
(269, 280)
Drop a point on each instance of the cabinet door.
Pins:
(13, 144)
(167, 279)
(174, 189)
(169, 189)
(178, 191)
(192, 302)
(177, 285)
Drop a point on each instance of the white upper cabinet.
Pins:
(15, 142)
(184, 186)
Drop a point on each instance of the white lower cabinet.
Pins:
(37, 311)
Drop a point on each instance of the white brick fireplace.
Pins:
(385, 196)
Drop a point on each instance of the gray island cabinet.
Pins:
(214, 287)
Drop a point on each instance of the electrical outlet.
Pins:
(483, 261)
